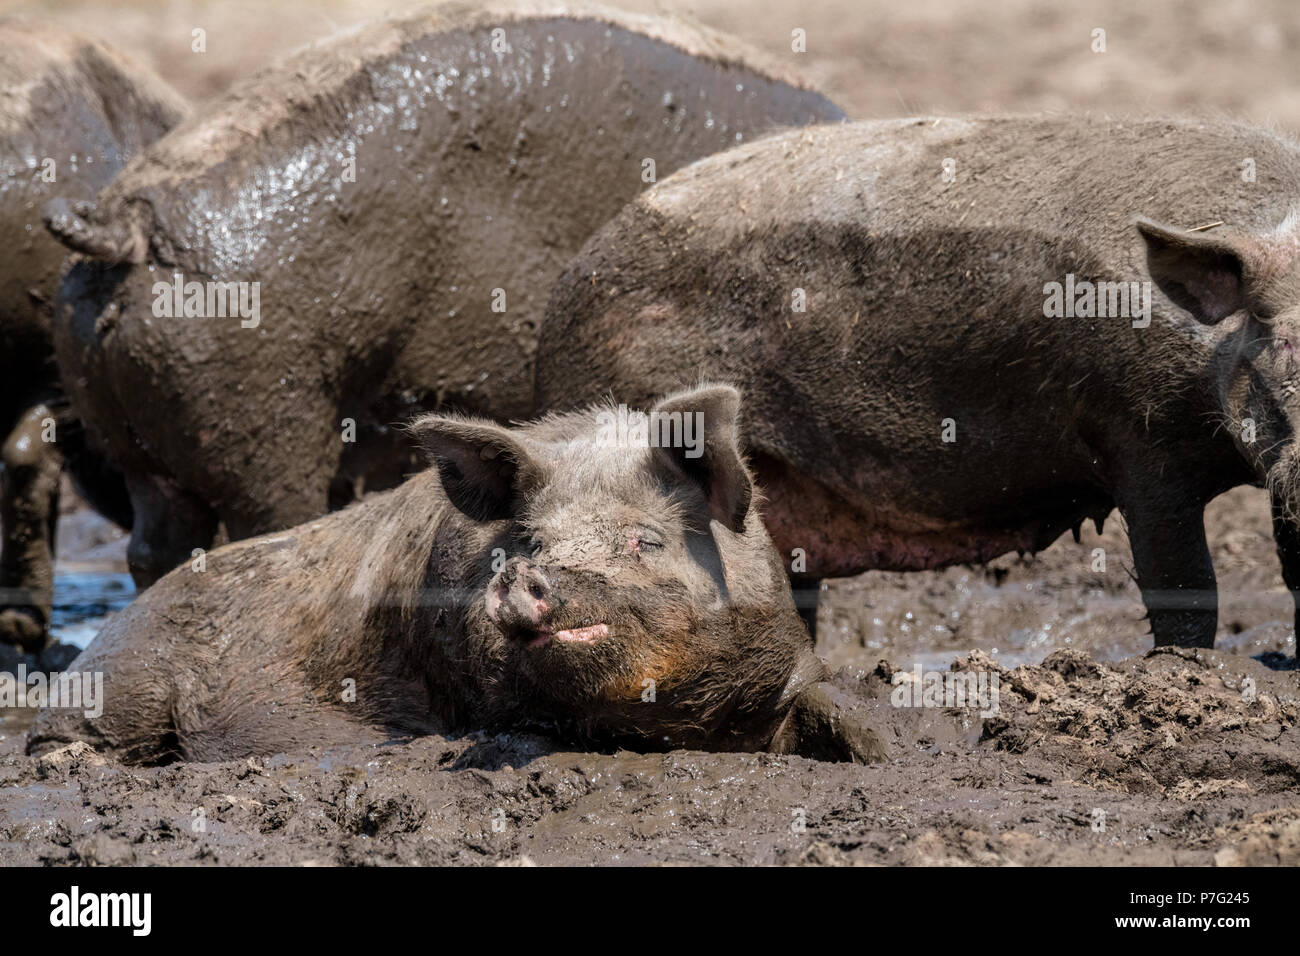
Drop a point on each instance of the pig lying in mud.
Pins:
(552, 577)
(72, 112)
(934, 374)
(365, 232)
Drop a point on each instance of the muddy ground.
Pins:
(1100, 751)
(1153, 761)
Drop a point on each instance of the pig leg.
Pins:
(168, 524)
(1174, 571)
(96, 480)
(1287, 537)
(141, 686)
(825, 723)
(29, 509)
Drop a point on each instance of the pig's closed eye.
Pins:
(643, 541)
(534, 546)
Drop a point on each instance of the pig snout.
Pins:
(523, 604)
(519, 598)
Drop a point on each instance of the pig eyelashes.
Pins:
(639, 540)
(643, 540)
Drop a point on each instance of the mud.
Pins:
(1022, 609)
(1162, 757)
(1153, 761)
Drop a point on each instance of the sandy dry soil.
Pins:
(1100, 751)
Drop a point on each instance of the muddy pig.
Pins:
(72, 112)
(960, 338)
(365, 232)
(566, 576)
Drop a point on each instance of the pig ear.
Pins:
(75, 225)
(713, 461)
(485, 470)
(1205, 273)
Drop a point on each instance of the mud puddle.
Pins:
(83, 599)
(90, 573)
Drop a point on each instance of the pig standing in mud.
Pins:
(71, 113)
(934, 373)
(556, 576)
(377, 224)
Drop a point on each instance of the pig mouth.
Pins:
(571, 635)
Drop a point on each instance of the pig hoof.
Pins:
(25, 627)
(825, 723)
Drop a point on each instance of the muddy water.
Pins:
(83, 599)
(90, 576)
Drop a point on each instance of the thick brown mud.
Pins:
(1101, 751)
(1158, 760)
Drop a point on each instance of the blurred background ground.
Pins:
(875, 57)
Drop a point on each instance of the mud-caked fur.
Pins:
(377, 620)
(72, 112)
(922, 252)
(405, 194)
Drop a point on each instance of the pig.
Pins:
(933, 371)
(366, 232)
(72, 112)
(562, 577)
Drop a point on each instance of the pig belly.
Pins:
(844, 546)
(839, 537)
